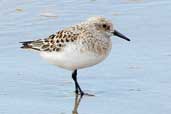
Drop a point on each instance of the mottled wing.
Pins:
(54, 42)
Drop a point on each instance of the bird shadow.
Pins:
(77, 101)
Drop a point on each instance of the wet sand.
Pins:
(134, 79)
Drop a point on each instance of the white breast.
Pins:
(71, 58)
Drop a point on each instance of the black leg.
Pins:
(77, 86)
(74, 77)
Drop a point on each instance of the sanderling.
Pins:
(79, 46)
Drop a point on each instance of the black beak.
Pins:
(116, 33)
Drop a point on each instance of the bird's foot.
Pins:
(87, 94)
(81, 93)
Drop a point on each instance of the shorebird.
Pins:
(78, 46)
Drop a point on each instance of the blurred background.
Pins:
(134, 79)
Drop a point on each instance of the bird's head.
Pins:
(105, 26)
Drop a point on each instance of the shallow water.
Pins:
(134, 79)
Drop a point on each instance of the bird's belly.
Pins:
(73, 60)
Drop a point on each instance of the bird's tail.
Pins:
(26, 44)
(35, 45)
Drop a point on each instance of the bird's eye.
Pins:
(104, 25)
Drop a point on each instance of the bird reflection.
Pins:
(76, 104)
